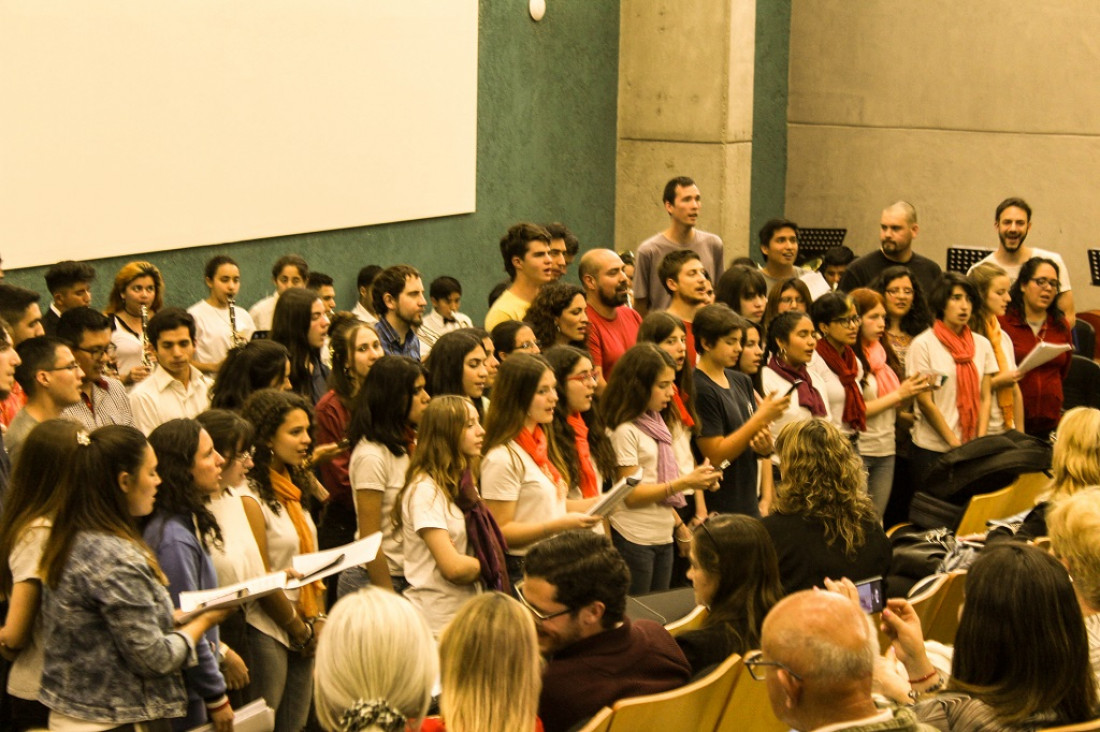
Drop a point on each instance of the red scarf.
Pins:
(967, 387)
(685, 415)
(808, 396)
(534, 444)
(845, 366)
(589, 488)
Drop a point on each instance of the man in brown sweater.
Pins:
(575, 586)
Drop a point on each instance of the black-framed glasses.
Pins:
(539, 614)
(74, 366)
(1047, 282)
(99, 352)
(847, 320)
(755, 660)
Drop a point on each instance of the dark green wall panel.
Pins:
(769, 126)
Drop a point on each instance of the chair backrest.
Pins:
(692, 621)
(938, 606)
(981, 508)
(1025, 492)
(748, 709)
(601, 722)
(1081, 387)
(1084, 338)
(696, 706)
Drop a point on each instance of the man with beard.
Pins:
(1013, 222)
(613, 325)
(897, 229)
(575, 584)
(398, 294)
(685, 279)
(682, 203)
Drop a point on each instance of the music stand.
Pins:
(813, 243)
(961, 259)
(1094, 266)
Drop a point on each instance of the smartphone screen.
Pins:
(872, 595)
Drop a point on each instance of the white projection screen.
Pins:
(142, 125)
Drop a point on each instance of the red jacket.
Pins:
(1042, 386)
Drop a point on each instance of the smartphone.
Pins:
(872, 594)
(794, 385)
(936, 380)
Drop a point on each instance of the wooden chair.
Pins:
(1090, 726)
(601, 722)
(1025, 492)
(982, 508)
(696, 706)
(748, 709)
(692, 621)
(938, 606)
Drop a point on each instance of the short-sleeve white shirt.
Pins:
(649, 525)
(374, 468)
(508, 473)
(213, 335)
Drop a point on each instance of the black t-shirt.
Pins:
(863, 271)
(805, 559)
(722, 411)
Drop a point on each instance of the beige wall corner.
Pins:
(953, 107)
(685, 108)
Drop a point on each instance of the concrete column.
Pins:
(685, 108)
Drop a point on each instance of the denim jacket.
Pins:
(112, 654)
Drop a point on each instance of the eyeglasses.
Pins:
(756, 659)
(526, 346)
(74, 367)
(593, 376)
(1047, 282)
(847, 320)
(895, 291)
(99, 352)
(539, 614)
(245, 455)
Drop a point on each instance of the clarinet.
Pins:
(237, 339)
(146, 360)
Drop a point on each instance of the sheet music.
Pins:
(193, 603)
(319, 565)
(1042, 353)
(609, 501)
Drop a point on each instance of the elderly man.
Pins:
(817, 657)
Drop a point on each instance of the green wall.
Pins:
(769, 122)
(545, 152)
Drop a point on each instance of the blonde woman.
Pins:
(823, 523)
(1075, 465)
(376, 665)
(490, 667)
(1074, 524)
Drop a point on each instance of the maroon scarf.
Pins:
(484, 535)
(808, 396)
(846, 367)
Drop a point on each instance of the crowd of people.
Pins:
(152, 450)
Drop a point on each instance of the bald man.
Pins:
(897, 229)
(818, 655)
(612, 324)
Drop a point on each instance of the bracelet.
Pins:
(924, 678)
(218, 708)
(915, 695)
(299, 646)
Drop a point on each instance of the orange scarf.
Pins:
(1006, 397)
(535, 444)
(588, 486)
(968, 390)
(290, 496)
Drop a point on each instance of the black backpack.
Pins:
(983, 465)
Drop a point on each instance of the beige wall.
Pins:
(685, 109)
(953, 107)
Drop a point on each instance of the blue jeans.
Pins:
(880, 480)
(650, 566)
(284, 678)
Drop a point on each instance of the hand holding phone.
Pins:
(872, 595)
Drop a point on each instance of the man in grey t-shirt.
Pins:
(682, 201)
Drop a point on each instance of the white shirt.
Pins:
(878, 439)
(649, 525)
(996, 415)
(927, 355)
(508, 473)
(833, 390)
(213, 336)
(433, 327)
(426, 507)
(25, 677)
(128, 348)
(363, 314)
(161, 397)
(263, 312)
(374, 468)
(795, 412)
(1013, 270)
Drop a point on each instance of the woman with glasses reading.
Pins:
(960, 365)
(1033, 317)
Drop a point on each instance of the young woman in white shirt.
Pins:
(522, 473)
(791, 343)
(214, 324)
(137, 285)
(383, 427)
(883, 393)
(993, 285)
(962, 362)
(637, 406)
(439, 564)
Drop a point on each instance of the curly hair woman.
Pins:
(822, 522)
(559, 316)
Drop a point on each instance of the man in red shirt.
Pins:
(612, 324)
